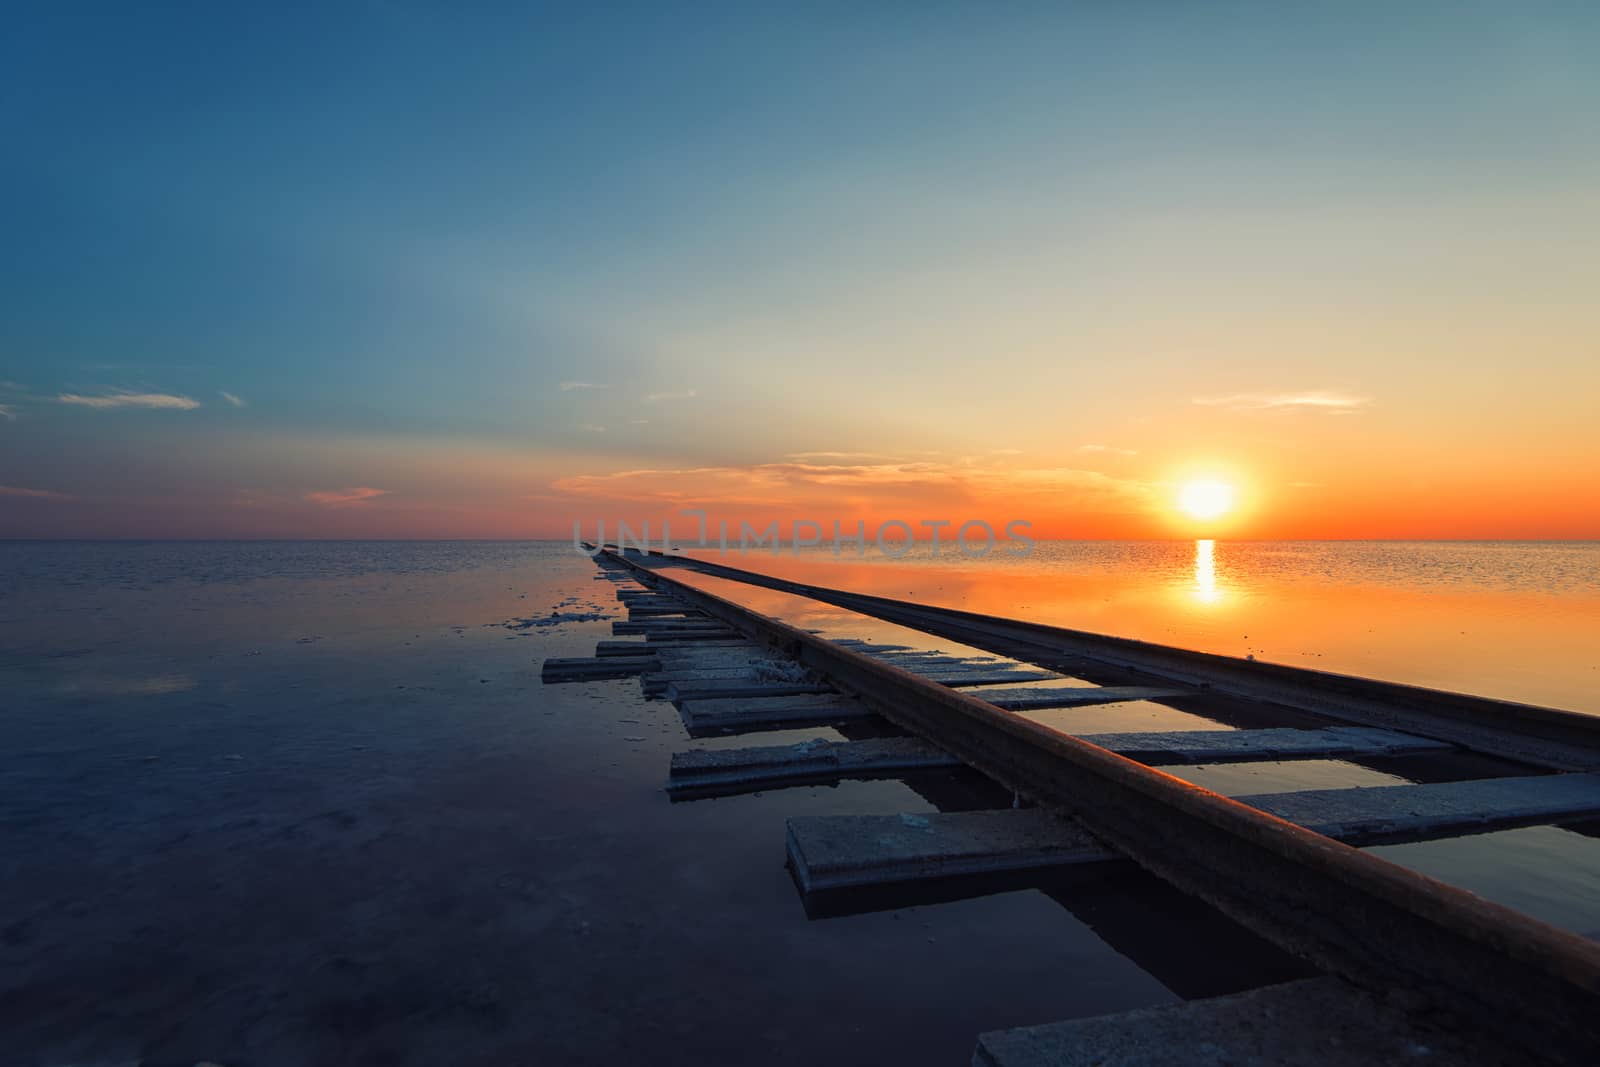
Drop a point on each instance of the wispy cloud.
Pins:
(339, 498)
(32, 494)
(1005, 451)
(675, 394)
(236, 401)
(766, 483)
(590, 427)
(119, 399)
(567, 387)
(812, 456)
(7, 411)
(1328, 402)
(1107, 450)
(860, 487)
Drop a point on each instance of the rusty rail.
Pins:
(1548, 737)
(1520, 982)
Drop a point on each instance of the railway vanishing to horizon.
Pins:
(1398, 966)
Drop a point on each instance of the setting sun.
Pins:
(1205, 499)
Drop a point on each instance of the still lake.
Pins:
(307, 803)
(1514, 620)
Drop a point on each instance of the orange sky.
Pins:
(1299, 474)
(1346, 265)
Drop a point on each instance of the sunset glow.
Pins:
(438, 438)
(1205, 499)
(1115, 249)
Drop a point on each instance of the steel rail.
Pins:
(1518, 982)
(1547, 737)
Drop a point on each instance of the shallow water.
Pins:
(1518, 621)
(1546, 872)
(297, 804)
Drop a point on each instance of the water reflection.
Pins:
(1205, 572)
(1382, 610)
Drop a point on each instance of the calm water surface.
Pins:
(1519, 621)
(308, 803)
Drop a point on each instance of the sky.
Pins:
(415, 269)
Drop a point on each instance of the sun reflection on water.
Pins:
(1205, 572)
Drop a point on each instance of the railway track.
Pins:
(1413, 963)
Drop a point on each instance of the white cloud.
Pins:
(236, 401)
(567, 387)
(1107, 450)
(32, 494)
(590, 427)
(129, 400)
(676, 394)
(1329, 402)
(7, 411)
(338, 498)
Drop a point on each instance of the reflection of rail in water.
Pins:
(1273, 864)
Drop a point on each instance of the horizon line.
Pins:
(791, 546)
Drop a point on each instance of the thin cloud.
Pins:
(567, 387)
(1083, 489)
(858, 486)
(1005, 451)
(765, 483)
(1328, 402)
(7, 411)
(105, 401)
(236, 401)
(805, 456)
(1107, 450)
(341, 498)
(675, 394)
(32, 494)
(590, 427)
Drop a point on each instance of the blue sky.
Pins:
(393, 231)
